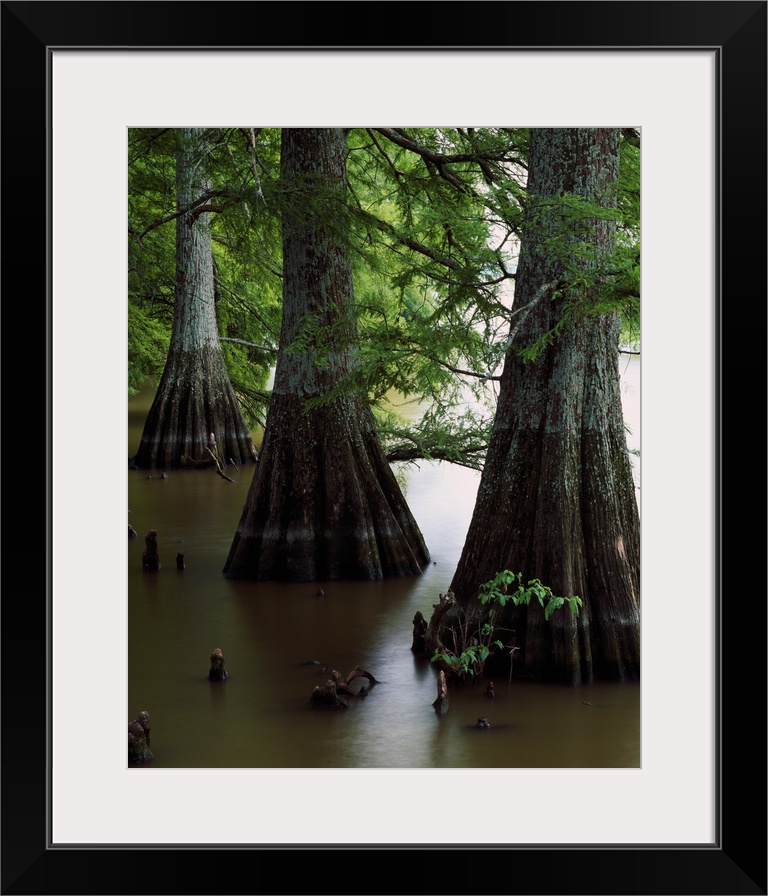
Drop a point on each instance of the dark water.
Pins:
(261, 716)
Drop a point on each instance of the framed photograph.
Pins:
(691, 78)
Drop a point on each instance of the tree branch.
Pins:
(218, 465)
(402, 138)
(263, 348)
(473, 373)
(470, 457)
(198, 206)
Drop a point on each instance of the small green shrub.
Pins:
(475, 645)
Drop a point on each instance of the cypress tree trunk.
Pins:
(557, 499)
(195, 397)
(324, 503)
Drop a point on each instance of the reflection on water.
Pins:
(261, 717)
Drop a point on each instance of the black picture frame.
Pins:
(736, 863)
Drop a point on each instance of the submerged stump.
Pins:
(327, 695)
(419, 643)
(150, 558)
(330, 693)
(441, 702)
(217, 671)
(138, 739)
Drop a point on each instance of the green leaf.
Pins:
(574, 603)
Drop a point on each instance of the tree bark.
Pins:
(194, 398)
(324, 502)
(557, 499)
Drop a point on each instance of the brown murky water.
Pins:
(261, 716)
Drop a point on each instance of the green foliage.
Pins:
(240, 165)
(497, 591)
(589, 283)
(430, 281)
(441, 435)
(475, 644)
(147, 348)
(452, 203)
(471, 660)
(433, 217)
